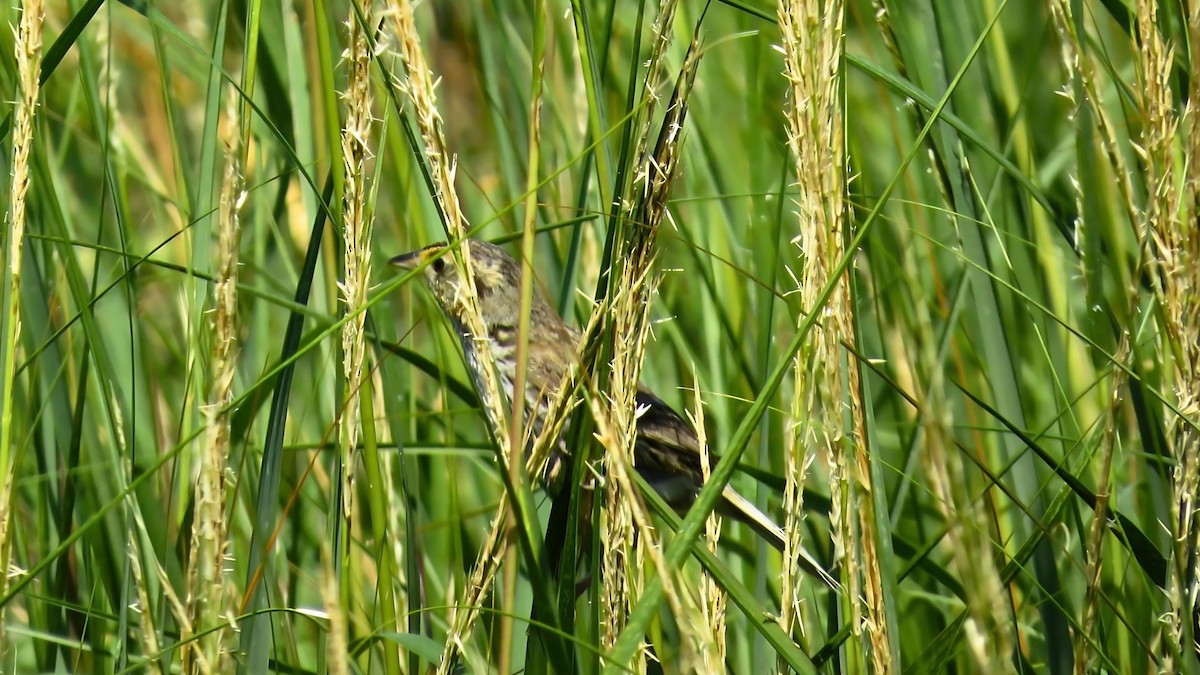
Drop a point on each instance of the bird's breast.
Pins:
(544, 367)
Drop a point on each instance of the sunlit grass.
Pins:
(940, 288)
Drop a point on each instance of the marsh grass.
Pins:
(935, 266)
(28, 57)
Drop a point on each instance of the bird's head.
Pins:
(497, 280)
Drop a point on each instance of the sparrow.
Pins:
(666, 450)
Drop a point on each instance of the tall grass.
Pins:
(28, 53)
(926, 274)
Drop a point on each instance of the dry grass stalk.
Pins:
(356, 236)
(357, 224)
(619, 581)
(28, 47)
(626, 525)
(337, 649)
(616, 418)
(1159, 228)
(629, 535)
(811, 37)
(712, 649)
(138, 538)
(661, 33)
(1180, 274)
(420, 88)
(209, 592)
(1171, 236)
(1094, 547)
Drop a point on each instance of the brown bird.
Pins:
(666, 451)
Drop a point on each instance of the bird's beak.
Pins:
(409, 261)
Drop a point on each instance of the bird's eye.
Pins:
(438, 265)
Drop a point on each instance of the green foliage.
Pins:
(993, 256)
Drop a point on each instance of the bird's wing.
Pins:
(670, 442)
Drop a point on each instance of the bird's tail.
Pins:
(741, 509)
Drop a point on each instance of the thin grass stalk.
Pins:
(249, 69)
(209, 595)
(661, 32)
(392, 470)
(878, 627)
(147, 633)
(811, 38)
(28, 48)
(1082, 647)
(1078, 61)
(887, 33)
(108, 86)
(528, 230)
(337, 647)
(713, 649)
(517, 417)
(143, 608)
(356, 237)
(1094, 547)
